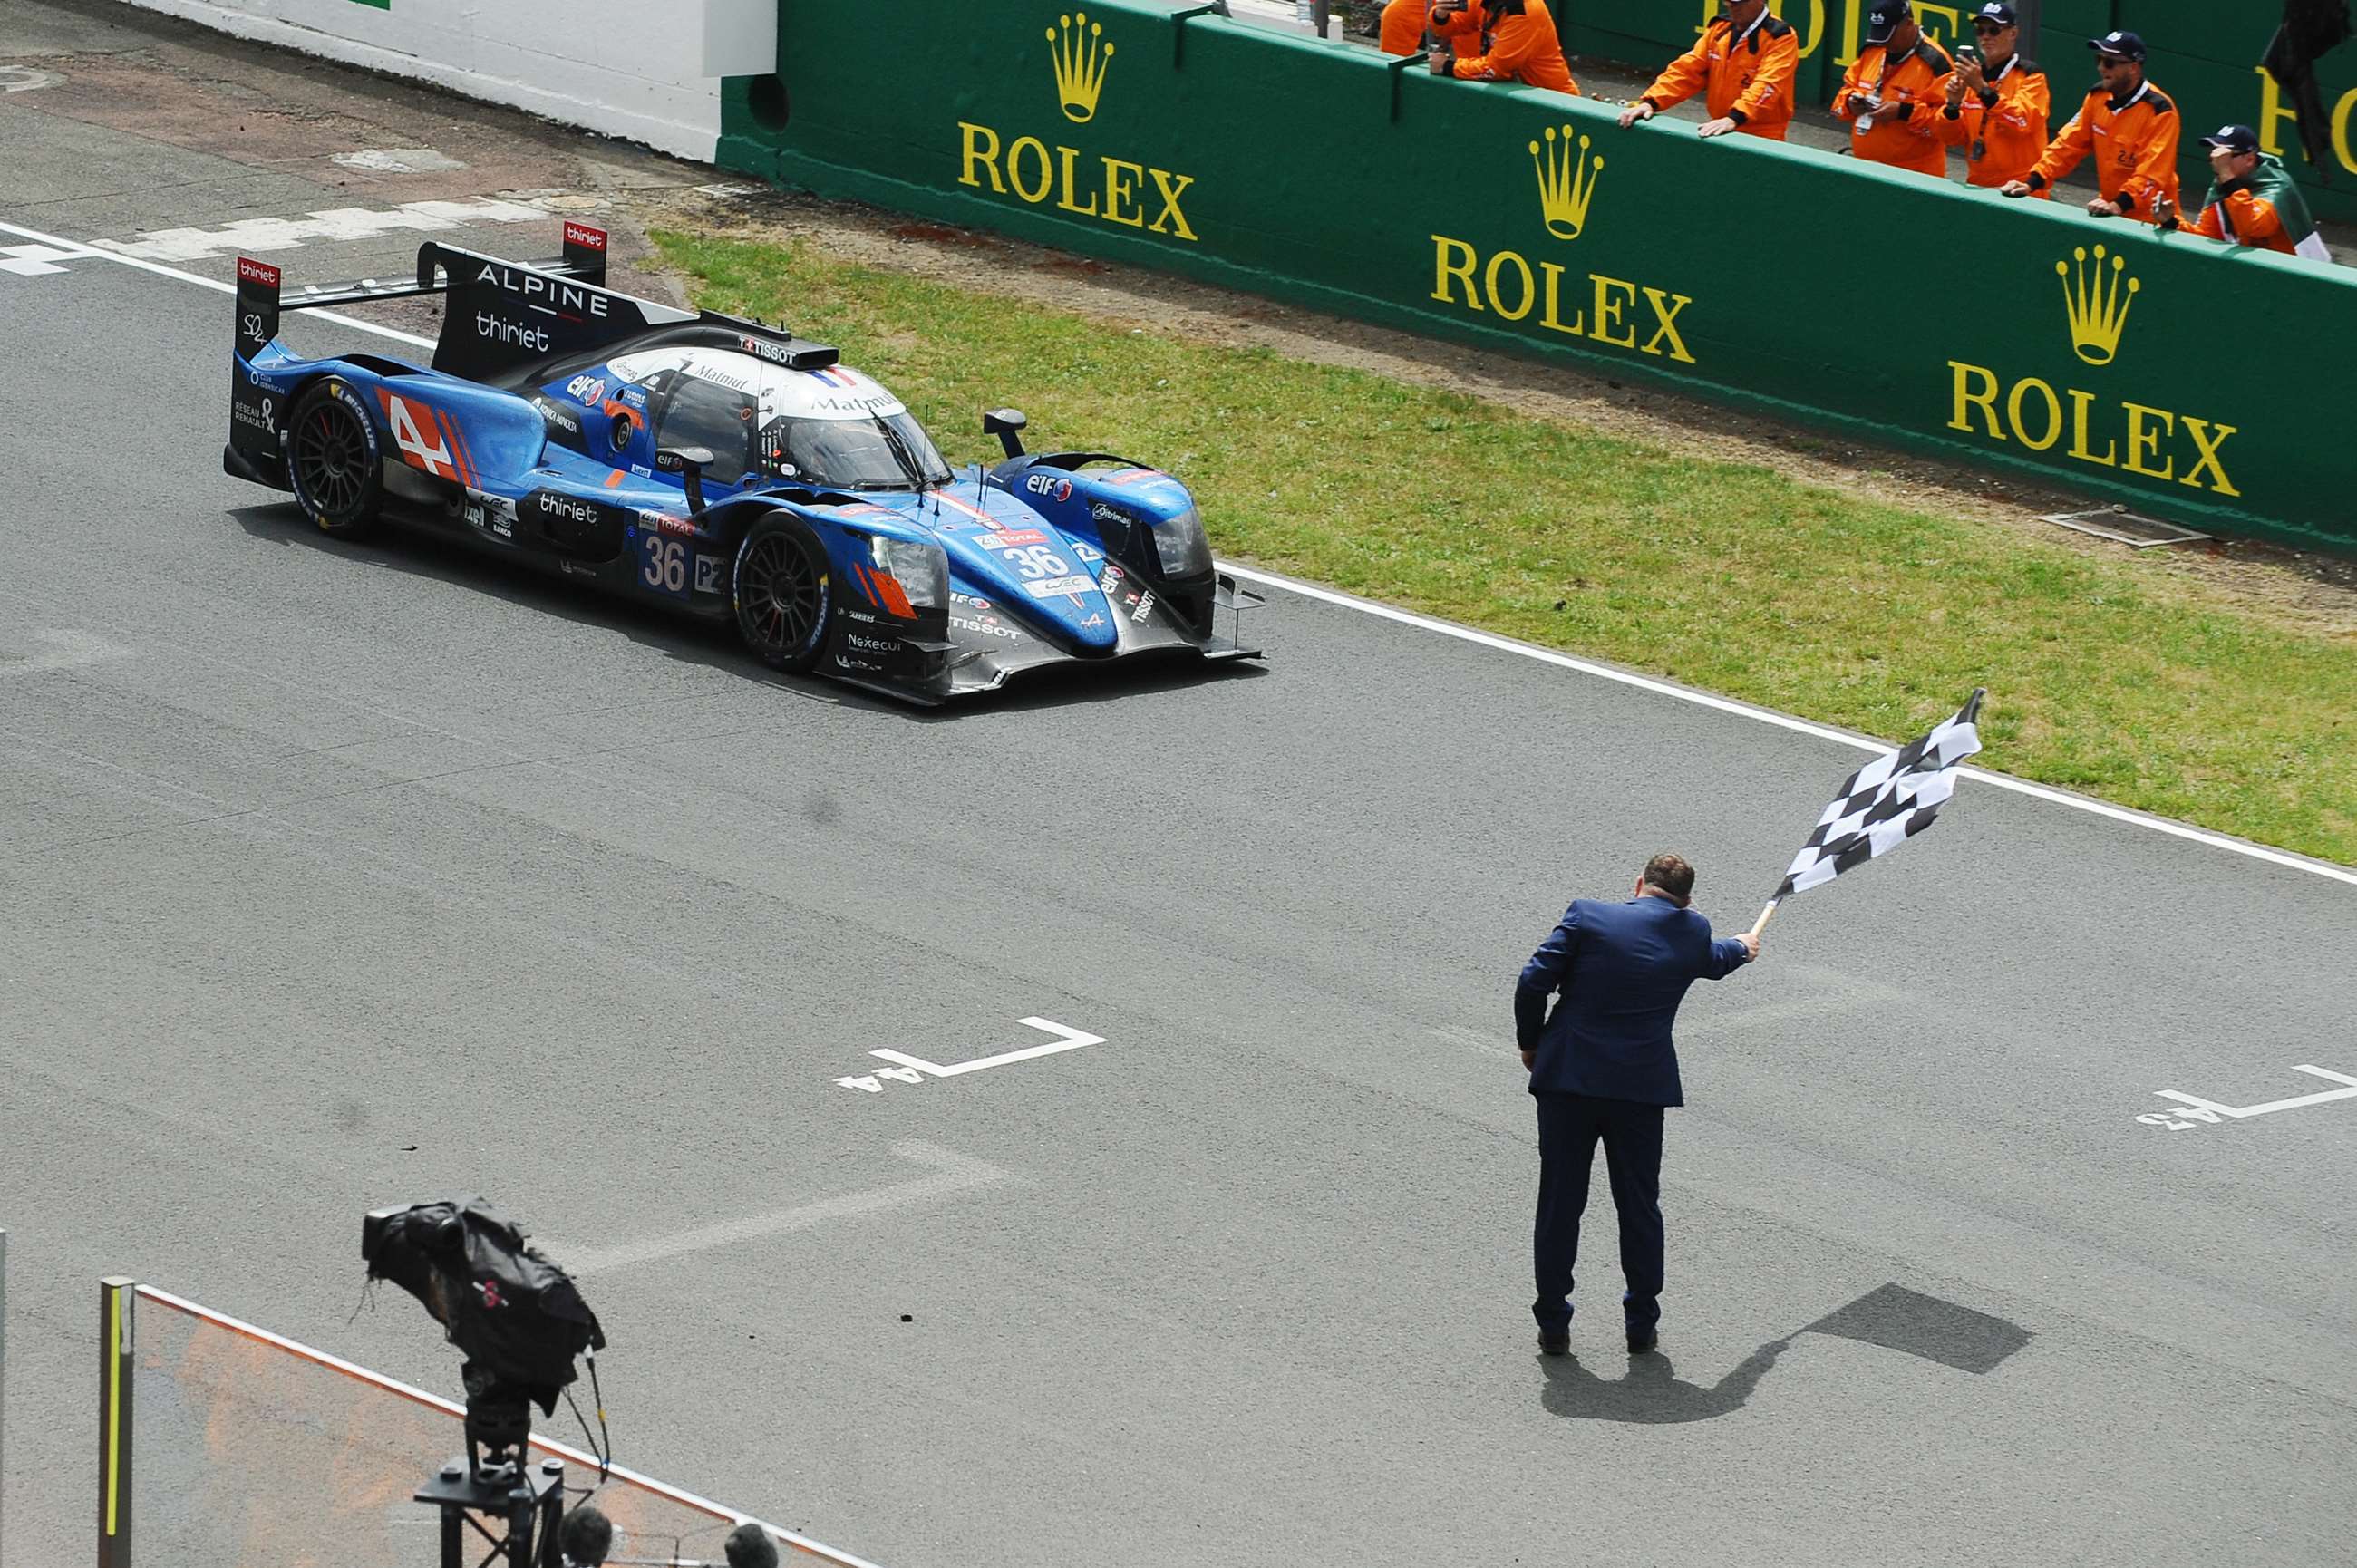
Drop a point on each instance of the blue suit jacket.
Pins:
(1622, 968)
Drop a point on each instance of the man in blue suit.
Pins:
(1603, 1067)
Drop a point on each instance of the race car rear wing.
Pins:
(261, 297)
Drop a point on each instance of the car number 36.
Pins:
(665, 564)
(1037, 560)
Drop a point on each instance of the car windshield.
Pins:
(885, 452)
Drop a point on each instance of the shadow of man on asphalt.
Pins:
(1650, 1391)
(1891, 1317)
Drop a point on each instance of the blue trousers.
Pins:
(1570, 1125)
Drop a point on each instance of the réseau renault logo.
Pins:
(2098, 304)
(1077, 48)
(1566, 182)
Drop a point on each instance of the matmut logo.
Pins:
(2097, 301)
(1566, 181)
(1077, 48)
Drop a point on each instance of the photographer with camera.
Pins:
(1997, 102)
(1517, 43)
(1893, 93)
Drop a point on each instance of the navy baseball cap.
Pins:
(2234, 139)
(1883, 19)
(1997, 13)
(2127, 45)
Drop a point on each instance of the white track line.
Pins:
(1786, 721)
(1503, 644)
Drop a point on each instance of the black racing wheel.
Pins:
(784, 594)
(332, 460)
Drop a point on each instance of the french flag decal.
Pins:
(837, 376)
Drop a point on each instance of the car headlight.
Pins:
(1185, 550)
(920, 566)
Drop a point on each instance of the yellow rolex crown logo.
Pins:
(1566, 182)
(1081, 56)
(2098, 299)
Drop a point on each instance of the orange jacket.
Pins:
(2003, 130)
(2135, 143)
(1748, 78)
(1405, 22)
(1905, 131)
(1518, 44)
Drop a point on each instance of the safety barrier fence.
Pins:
(2204, 55)
(2193, 382)
(228, 1446)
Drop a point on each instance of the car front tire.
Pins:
(784, 594)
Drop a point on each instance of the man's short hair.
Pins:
(1673, 876)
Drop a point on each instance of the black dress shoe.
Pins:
(1555, 1343)
(1641, 1340)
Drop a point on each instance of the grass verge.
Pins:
(2113, 676)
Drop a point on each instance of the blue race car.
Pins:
(727, 468)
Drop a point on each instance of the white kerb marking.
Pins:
(953, 1175)
(1522, 650)
(1067, 1039)
(253, 236)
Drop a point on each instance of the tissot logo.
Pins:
(2104, 430)
(1082, 57)
(1566, 182)
(1085, 182)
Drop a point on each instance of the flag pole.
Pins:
(1761, 924)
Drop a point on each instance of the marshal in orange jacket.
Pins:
(1747, 80)
(1403, 24)
(2003, 128)
(2134, 140)
(1904, 133)
(1518, 44)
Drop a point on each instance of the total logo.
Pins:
(2105, 431)
(1053, 486)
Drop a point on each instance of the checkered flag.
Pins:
(1885, 803)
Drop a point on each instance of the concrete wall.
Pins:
(2189, 379)
(647, 72)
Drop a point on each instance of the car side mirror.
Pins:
(1005, 424)
(689, 463)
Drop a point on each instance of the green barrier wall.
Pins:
(2205, 57)
(2193, 382)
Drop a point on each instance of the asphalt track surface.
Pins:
(311, 853)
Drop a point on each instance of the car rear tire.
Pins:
(784, 594)
(332, 460)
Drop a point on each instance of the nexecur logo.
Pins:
(2103, 432)
(1506, 285)
(1122, 191)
